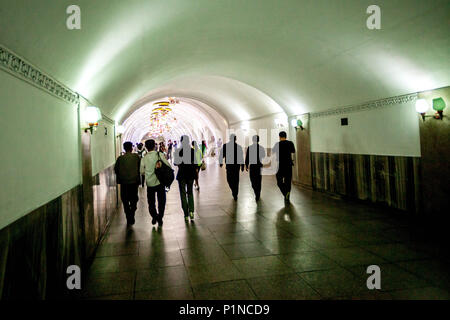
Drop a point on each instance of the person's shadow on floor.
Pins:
(287, 214)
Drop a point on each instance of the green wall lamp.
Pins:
(297, 123)
(92, 115)
(439, 106)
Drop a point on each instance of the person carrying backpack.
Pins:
(185, 160)
(152, 162)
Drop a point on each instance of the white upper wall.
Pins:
(388, 130)
(40, 148)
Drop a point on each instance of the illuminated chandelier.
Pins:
(162, 118)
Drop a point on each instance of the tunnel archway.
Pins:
(193, 118)
(208, 106)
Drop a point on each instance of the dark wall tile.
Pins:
(36, 250)
(388, 180)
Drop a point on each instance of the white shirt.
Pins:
(148, 164)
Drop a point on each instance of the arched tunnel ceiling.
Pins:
(234, 100)
(301, 55)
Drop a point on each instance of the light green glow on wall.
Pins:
(102, 147)
(39, 143)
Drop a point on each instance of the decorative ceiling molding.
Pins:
(108, 119)
(22, 69)
(366, 106)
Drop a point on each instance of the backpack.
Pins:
(164, 173)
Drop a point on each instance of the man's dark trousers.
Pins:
(160, 191)
(130, 198)
(186, 196)
(255, 178)
(284, 178)
(233, 178)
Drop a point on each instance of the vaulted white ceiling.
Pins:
(245, 59)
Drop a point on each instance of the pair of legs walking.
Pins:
(160, 192)
(197, 186)
(233, 180)
(284, 178)
(256, 179)
(187, 198)
(129, 196)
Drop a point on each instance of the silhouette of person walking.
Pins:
(284, 150)
(185, 160)
(129, 178)
(154, 186)
(253, 159)
(234, 160)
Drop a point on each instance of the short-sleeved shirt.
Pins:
(148, 165)
(283, 150)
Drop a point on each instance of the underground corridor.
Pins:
(360, 93)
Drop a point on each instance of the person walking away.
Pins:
(141, 153)
(162, 148)
(253, 158)
(184, 158)
(169, 150)
(198, 161)
(203, 147)
(234, 160)
(154, 187)
(127, 172)
(284, 150)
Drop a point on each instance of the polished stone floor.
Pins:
(315, 248)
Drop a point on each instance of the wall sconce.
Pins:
(439, 106)
(92, 115)
(120, 130)
(422, 107)
(297, 123)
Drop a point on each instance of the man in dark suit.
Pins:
(253, 158)
(284, 150)
(128, 176)
(234, 160)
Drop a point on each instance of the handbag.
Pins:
(164, 173)
(203, 166)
